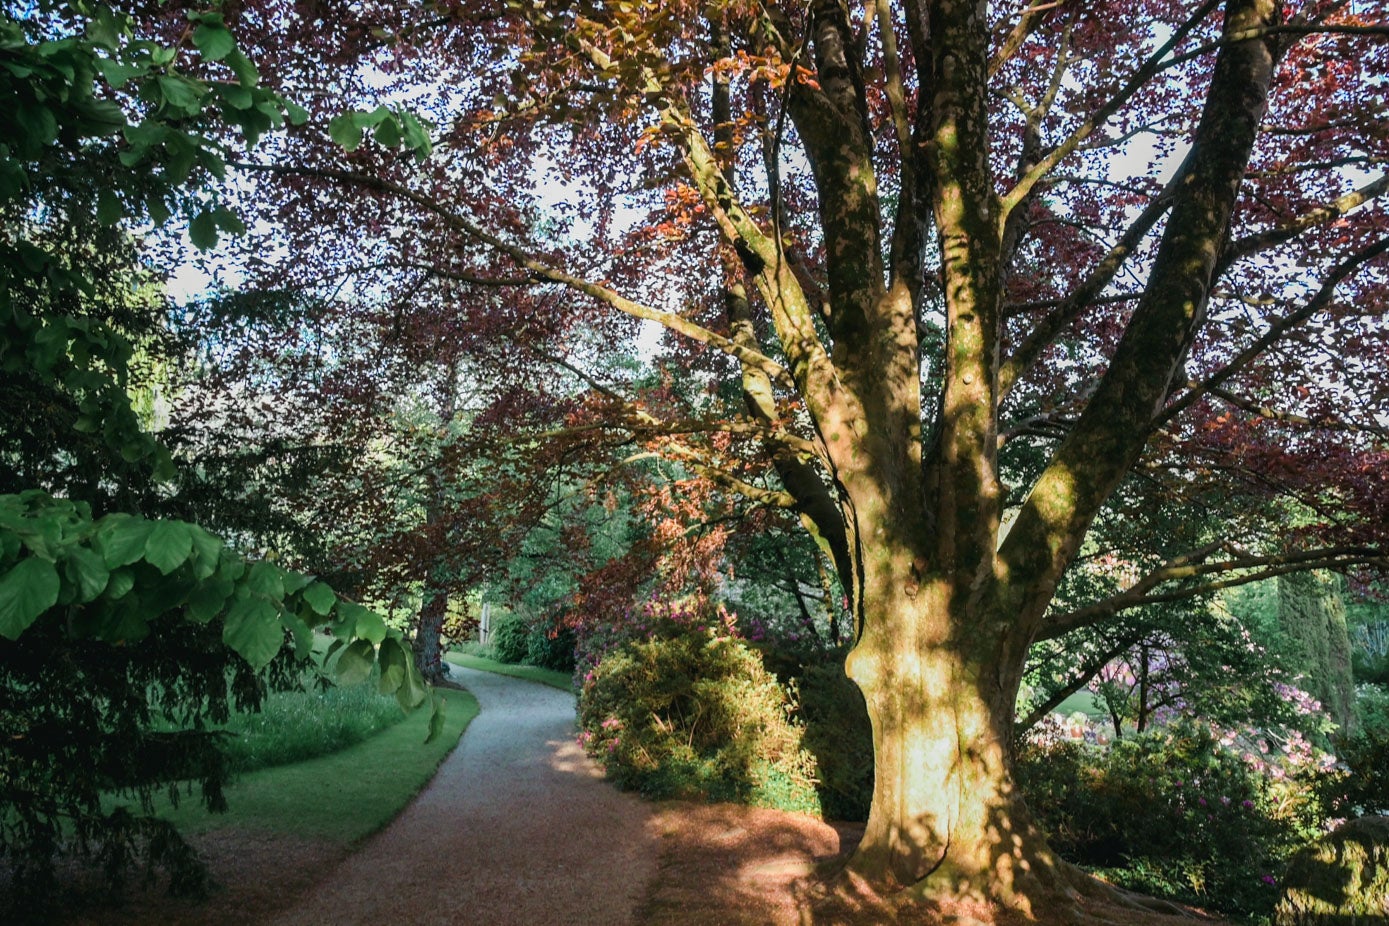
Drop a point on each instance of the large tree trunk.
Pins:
(946, 819)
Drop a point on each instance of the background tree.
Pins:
(966, 282)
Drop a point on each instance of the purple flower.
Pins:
(1270, 880)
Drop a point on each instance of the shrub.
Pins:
(1171, 812)
(550, 645)
(510, 638)
(838, 735)
(1360, 785)
(1341, 878)
(693, 713)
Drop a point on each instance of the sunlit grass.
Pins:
(561, 680)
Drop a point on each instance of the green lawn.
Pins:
(561, 680)
(343, 797)
(1082, 701)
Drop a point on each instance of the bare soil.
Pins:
(518, 828)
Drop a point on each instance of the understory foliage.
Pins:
(1172, 812)
(690, 712)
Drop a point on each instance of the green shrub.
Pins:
(1361, 784)
(550, 646)
(510, 638)
(695, 714)
(1170, 813)
(838, 735)
(1342, 878)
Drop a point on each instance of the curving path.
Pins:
(517, 827)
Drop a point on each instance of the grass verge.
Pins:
(293, 726)
(343, 797)
(561, 680)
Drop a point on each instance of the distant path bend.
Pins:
(517, 827)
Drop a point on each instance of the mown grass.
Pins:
(561, 680)
(343, 797)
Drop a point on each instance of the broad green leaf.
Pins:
(88, 572)
(292, 582)
(243, 68)
(26, 591)
(228, 221)
(207, 599)
(394, 662)
(169, 545)
(412, 690)
(297, 114)
(366, 624)
(121, 582)
(375, 117)
(181, 95)
(207, 552)
(214, 41)
(118, 74)
(120, 539)
(345, 131)
(303, 634)
(252, 628)
(202, 231)
(355, 662)
(320, 597)
(388, 132)
(266, 579)
(436, 721)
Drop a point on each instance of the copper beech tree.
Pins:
(968, 287)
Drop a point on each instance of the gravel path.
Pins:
(518, 827)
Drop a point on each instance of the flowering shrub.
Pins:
(690, 711)
(1175, 812)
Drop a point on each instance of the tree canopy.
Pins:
(1030, 314)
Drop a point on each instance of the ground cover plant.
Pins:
(344, 796)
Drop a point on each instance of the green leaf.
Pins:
(355, 662)
(436, 721)
(26, 591)
(366, 624)
(388, 132)
(202, 231)
(108, 207)
(320, 597)
(88, 572)
(243, 68)
(214, 41)
(228, 221)
(118, 74)
(169, 545)
(303, 634)
(375, 117)
(395, 663)
(345, 131)
(207, 552)
(120, 584)
(252, 628)
(207, 599)
(120, 539)
(297, 114)
(181, 95)
(266, 579)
